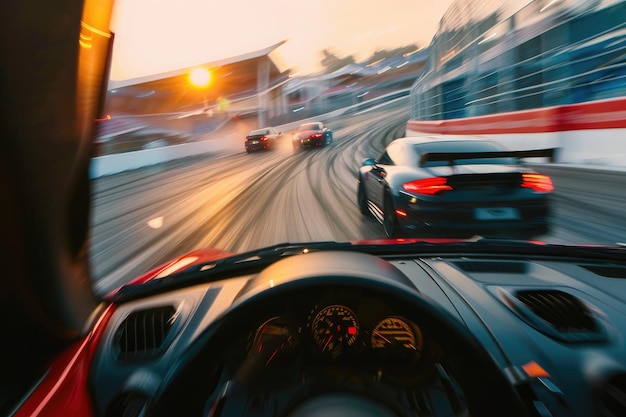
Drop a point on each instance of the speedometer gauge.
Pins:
(397, 337)
(334, 328)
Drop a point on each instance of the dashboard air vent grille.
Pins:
(607, 271)
(557, 314)
(562, 310)
(143, 333)
(493, 267)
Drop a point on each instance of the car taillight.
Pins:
(264, 138)
(427, 186)
(316, 135)
(537, 182)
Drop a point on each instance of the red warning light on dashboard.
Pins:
(351, 330)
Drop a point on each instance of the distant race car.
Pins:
(261, 139)
(312, 135)
(470, 186)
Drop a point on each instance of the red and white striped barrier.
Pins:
(587, 133)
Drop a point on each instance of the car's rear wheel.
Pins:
(362, 199)
(390, 221)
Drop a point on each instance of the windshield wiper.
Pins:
(243, 263)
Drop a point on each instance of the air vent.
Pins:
(562, 310)
(492, 267)
(556, 313)
(611, 400)
(143, 333)
(607, 271)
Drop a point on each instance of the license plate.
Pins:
(254, 142)
(496, 213)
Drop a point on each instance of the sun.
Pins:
(200, 77)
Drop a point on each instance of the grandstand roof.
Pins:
(233, 78)
(239, 59)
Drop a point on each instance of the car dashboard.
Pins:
(341, 328)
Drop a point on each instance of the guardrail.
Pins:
(120, 162)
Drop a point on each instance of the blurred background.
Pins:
(189, 80)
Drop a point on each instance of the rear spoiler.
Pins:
(451, 157)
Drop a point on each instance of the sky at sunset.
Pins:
(154, 36)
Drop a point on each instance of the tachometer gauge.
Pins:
(398, 338)
(272, 337)
(269, 353)
(334, 328)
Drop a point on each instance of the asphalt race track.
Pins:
(236, 201)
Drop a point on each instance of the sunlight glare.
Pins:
(200, 77)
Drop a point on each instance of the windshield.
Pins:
(189, 81)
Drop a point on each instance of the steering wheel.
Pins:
(194, 379)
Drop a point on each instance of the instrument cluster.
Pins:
(336, 329)
(373, 339)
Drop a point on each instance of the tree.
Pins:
(391, 53)
(332, 62)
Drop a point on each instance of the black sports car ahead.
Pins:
(463, 186)
(312, 135)
(261, 139)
